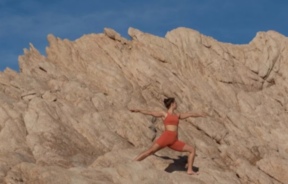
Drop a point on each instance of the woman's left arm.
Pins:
(192, 114)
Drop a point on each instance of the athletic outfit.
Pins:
(170, 138)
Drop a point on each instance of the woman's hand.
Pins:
(194, 114)
(203, 114)
(156, 114)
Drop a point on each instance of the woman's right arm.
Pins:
(156, 114)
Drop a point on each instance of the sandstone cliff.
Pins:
(64, 118)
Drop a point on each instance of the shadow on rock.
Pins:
(179, 164)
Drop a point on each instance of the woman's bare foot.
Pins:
(192, 173)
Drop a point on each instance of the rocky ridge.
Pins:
(64, 117)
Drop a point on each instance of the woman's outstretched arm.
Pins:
(157, 114)
(192, 114)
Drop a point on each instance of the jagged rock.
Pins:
(114, 35)
(64, 118)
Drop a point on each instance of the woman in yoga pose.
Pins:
(170, 136)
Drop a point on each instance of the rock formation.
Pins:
(64, 117)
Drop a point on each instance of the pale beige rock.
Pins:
(248, 173)
(114, 35)
(65, 117)
(275, 167)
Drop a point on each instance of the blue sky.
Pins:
(233, 21)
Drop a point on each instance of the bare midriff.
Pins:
(173, 128)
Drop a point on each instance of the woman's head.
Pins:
(168, 102)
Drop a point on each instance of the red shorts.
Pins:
(170, 139)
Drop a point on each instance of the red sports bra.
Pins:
(171, 119)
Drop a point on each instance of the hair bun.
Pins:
(168, 102)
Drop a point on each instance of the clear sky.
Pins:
(234, 21)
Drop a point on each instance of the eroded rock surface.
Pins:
(64, 118)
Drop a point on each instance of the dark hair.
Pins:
(168, 102)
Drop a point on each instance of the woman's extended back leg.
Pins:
(153, 149)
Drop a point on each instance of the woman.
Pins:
(170, 136)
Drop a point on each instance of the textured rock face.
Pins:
(64, 118)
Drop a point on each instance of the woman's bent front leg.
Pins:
(191, 158)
